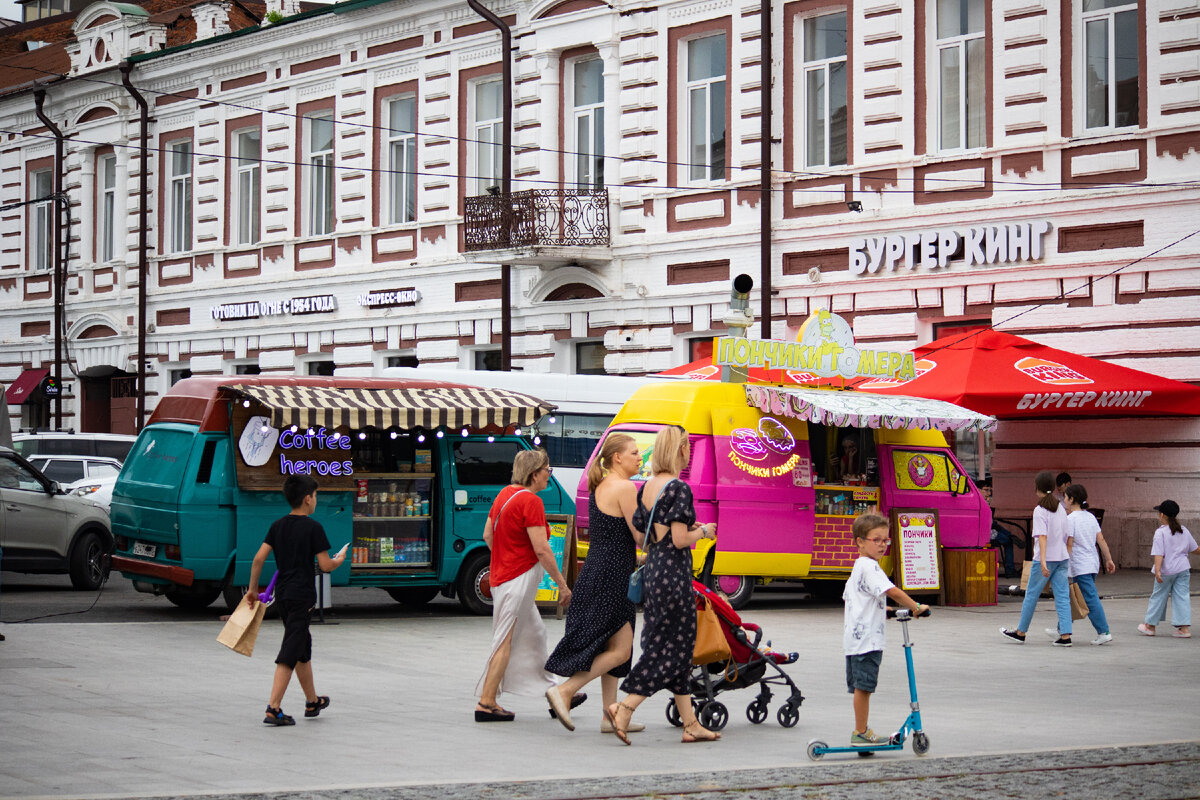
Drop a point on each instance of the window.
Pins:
(106, 233)
(176, 375)
(706, 108)
(402, 361)
(962, 57)
(323, 368)
(42, 186)
(487, 360)
(402, 160)
(15, 476)
(487, 134)
(179, 196)
(63, 471)
(320, 174)
(700, 348)
(484, 463)
(587, 125)
(572, 438)
(248, 185)
(824, 87)
(589, 358)
(247, 369)
(1110, 34)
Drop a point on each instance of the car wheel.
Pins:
(88, 561)
(413, 596)
(474, 589)
(194, 600)
(738, 588)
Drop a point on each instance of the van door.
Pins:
(765, 497)
(479, 469)
(923, 477)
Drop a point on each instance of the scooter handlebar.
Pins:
(903, 614)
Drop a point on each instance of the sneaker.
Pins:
(1016, 637)
(865, 739)
(1103, 638)
(1145, 630)
(1061, 641)
(275, 716)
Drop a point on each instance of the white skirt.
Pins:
(513, 609)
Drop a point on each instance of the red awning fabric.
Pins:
(703, 369)
(20, 389)
(1009, 377)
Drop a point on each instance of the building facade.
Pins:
(323, 191)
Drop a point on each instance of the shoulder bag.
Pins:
(711, 644)
(636, 588)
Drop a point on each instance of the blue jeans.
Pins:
(1062, 598)
(1178, 588)
(1087, 586)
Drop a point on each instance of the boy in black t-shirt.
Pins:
(295, 539)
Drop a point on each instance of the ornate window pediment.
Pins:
(107, 33)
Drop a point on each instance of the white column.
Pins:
(87, 208)
(551, 113)
(610, 55)
(121, 205)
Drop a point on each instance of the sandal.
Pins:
(275, 716)
(611, 716)
(487, 713)
(700, 734)
(314, 708)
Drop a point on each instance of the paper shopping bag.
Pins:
(1025, 571)
(711, 644)
(241, 631)
(1079, 608)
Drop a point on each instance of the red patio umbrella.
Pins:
(703, 369)
(996, 373)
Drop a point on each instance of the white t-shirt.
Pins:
(1054, 526)
(1173, 547)
(866, 607)
(1085, 558)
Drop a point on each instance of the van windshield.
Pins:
(160, 458)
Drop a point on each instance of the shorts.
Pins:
(296, 647)
(862, 671)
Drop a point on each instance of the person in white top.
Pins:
(1088, 547)
(1172, 573)
(1052, 551)
(866, 610)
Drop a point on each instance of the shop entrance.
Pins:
(108, 404)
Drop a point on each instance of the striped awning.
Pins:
(357, 408)
(862, 410)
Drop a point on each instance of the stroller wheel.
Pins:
(757, 712)
(788, 715)
(673, 714)
(714, 715)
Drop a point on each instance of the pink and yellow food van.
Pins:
(784, 472)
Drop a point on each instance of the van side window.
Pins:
(204, 473)
(484, 463)
(571, 438)
(927, 471)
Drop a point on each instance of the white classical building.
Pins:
(318, 188)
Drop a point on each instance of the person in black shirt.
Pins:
(295, 539)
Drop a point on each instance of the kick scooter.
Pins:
(912, 724)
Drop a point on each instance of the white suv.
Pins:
(42, 529)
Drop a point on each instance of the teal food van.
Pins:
(408, 470)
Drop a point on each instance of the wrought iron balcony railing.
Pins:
(537, 218)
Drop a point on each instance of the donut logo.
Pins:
(747, 444)
(1050, 372)
(776, 436)
(920, 470)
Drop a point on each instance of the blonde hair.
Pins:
(615, 443)
(526, 464)
(672, 449)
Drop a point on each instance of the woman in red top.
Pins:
(518, 535)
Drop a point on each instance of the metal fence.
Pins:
(537, 217)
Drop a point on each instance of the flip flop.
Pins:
(1145, 630)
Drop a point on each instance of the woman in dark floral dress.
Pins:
(598, 641)
(669, 627)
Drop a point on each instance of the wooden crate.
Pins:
(969, 576)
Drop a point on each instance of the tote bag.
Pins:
(710, 639)
(241, 631)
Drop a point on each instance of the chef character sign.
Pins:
(257, 442)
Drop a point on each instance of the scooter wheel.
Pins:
(788, 715)
(816, 749)
(920, 743)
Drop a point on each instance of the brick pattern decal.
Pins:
(833, 544)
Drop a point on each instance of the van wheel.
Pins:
(194, 600)
(413, 596)
(738, 588)
(89, 561)
(474, 589)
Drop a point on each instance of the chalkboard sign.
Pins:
(916, 550)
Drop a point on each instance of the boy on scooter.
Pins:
(866, 611)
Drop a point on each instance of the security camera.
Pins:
(854, 205)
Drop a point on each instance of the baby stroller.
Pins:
(749, 664)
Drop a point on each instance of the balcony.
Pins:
(544, 227)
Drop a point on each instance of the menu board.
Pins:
(916, 549)
(562, 543)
